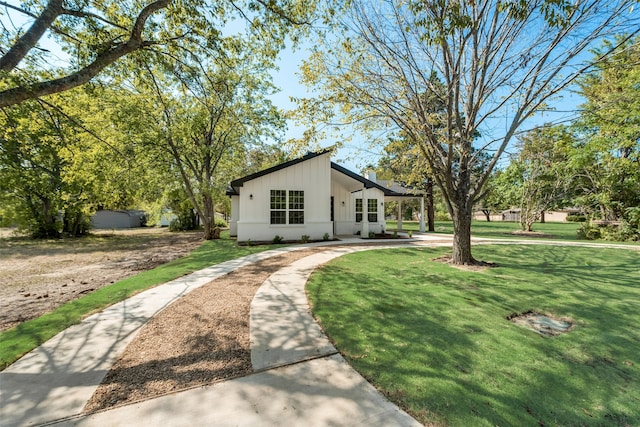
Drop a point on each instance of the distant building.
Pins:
(109, 219)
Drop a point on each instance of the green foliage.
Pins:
(576, 217)
(435, 339)
(277, 239)
(544, 180)
(39, 189)
(220, 223)
(305, 238)
(125, 34)
(325, 237)
(608, 151)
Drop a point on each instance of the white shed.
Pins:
(309, 196)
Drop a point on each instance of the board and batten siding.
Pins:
(313, 177)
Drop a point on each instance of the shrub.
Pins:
(588, 231)
(372, 234)
(305, 238)
(219, 222)
(325, 237)
(575, 217)
(277, 239)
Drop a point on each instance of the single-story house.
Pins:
(108, 219)
(309, 196)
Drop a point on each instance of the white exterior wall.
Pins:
(312, 176)
(344, 214)
(365, 227)
(235, 211)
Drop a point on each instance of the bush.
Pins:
(588, 231)
(221, 223)
(624, 232)
(575, 217)
(442, 216)
(305, 238)
(277, 239)
(372, 234)
(325, 237)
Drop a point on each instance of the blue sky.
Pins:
(357, 155)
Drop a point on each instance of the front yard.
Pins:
(436, 340)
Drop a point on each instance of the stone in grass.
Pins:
(544, 324)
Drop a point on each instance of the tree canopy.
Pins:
(95, 35)
(491, 59)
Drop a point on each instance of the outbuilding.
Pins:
(112, 219)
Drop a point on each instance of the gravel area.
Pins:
(200, 339)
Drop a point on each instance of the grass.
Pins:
(502, 230)
(435, 339)
(21, 339)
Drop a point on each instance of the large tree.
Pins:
(542, 172)
(494, 59)
(95, 35)
(200, 116)
(607, 154)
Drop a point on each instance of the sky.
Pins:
(356, 155)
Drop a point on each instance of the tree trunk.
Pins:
(431, 216)
(462, 234)
(487, 214)
(542, 217)
(209, 218)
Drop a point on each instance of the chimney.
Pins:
(370, 175)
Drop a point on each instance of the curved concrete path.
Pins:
(300, 379)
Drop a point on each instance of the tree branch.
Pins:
(29, 39)
(21, 93)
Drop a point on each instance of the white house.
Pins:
(309, 196)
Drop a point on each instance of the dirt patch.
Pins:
(478, 266)
(200, 339)
(544, 324)
(531, 234)
(37, 276)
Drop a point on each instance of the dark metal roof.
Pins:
(366, 182)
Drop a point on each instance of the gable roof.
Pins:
(234, 187)
(236, 183)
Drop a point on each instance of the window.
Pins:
(278, 207)
(358, 210)
(283, 207)
(296, 207)
(372, 210)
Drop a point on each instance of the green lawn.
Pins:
(504, 230)
(23, 338)
(435, 339)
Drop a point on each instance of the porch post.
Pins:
(365, 214)
(422, 227)
(399, 214)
